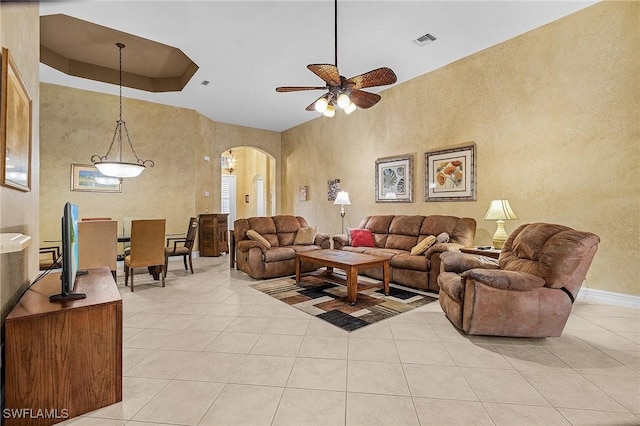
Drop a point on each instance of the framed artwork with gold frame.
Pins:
(15, 126)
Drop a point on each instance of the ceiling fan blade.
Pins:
(327, 72)
(378, 77)
(297, 88)
(312, 107)
(364, 99)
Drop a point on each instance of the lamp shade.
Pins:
(342, 198)
(500, 210)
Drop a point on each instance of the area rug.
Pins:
(328, 301)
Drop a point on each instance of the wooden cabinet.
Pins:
(63, 359)
(213, 234)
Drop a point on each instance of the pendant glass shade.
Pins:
(343, 100)
(321, 105)
(229, 162)
(117, 168)
(330, 111)
(350, 108)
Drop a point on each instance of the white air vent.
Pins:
(424, 40)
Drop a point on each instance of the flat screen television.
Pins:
(70, 255)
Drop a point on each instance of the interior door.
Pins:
(228, 198)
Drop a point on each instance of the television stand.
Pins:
(64, 359)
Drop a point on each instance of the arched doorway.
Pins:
(249, 186)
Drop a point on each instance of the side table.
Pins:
(492, 253)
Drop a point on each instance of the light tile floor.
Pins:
(209, 350)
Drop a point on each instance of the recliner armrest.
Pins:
(506, 280)
(460, 262)
(246, 245)
(340, 240)
(322, 239)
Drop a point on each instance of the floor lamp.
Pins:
(343, 199)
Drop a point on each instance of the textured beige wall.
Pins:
(19, 32)
(554, 114)
(76, 124)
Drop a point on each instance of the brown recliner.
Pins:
(527, 292)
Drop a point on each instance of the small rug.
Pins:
(328, 301)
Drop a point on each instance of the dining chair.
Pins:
(182, 246)
(98, 244)
(49, 257)
(147, 248)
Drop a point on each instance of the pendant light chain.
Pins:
(119, 168)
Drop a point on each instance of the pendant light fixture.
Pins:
(117, 167)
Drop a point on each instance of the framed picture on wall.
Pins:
(302, 193)
(88, 178)
(333, 186)
(450, 174)
(15, 126)
(394, 179)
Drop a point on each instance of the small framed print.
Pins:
(88, 178)
(333, 186)
(394, 179)
(302, 193)
(450, 174)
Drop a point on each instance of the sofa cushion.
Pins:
(304, 236)
(255, 236)
(278, 254)
(287, 228)
(382, 252)
(362, 238)
(423, 245)
(407, 261)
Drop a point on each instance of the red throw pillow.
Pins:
(362, 238)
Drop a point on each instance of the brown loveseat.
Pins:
(280, 232)
(394, 237)
(528, 292)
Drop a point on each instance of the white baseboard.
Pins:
(609, 298)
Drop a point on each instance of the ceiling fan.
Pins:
(345, 93)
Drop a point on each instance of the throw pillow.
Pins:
(253, 235)
(423, 245)
(305, 236)
(443, 237)
(362, 238)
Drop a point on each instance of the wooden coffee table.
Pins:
(349, 262)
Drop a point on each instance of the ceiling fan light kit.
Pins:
(344, 93)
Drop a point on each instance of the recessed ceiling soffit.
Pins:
(84, 49)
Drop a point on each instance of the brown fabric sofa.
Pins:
(395, 235)
(527, 292)
(280, 231)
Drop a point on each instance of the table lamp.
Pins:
(499, 210)
(343, 199)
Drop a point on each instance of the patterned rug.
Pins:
(328, 301)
